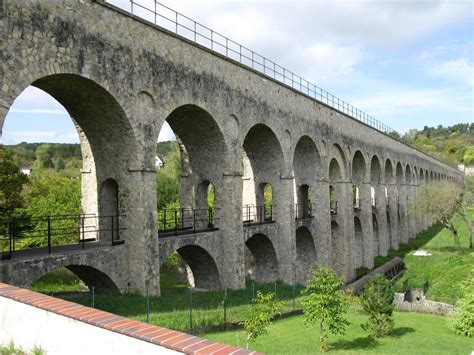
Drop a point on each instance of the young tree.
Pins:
(324, 302)
(440, 201)
(264, 309)
(377, 302)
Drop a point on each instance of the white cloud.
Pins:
(458, 70)
(166, 133)
(41, 111)
(15, 137)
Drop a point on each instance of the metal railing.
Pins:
(334, 209)
(45, 235)
(304, 211)
(178, 221)
(252, 214)
(186, 27)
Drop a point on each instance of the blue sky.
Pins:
(407, 63)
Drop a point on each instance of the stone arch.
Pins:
(358, 168)
(375, 170)
(408, 175)
(335, 172)
(204, 269)
(389, 173)
(90, 275)
(305, 254)
(303, 202)
(338, 254)
(261, 259)
(264, 163)
(336, 152)
(375, 231)
(399, 174)
(359, 243)
(306, 161)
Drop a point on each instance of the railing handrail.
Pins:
(249, 58)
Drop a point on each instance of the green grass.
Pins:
(413, 334)
(171, 310)
(444, 269)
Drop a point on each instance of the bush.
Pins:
(462, 321)
(377, 302)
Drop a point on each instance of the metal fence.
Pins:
(44, 235)
(304, 211)
(260, 214)
(176, 221)
(186, 27)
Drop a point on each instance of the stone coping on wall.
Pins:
(168, 338)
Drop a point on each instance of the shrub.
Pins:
(462, 320)
(377, 302)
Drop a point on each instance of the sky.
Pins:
(408, 63)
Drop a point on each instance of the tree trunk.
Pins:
(322, 345)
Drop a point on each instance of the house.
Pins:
(159, 162)
(26, 170)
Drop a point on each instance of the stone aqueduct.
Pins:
(120, 78)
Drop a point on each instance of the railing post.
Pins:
(176, 222)
(83, 233)
(156, 22)
(176, 21)
(49, 235)
(10, 232)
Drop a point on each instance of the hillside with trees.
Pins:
(454, 144)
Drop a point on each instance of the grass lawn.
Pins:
(413, 334)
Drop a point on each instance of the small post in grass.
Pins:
(147, 305)
(253, 290)
(294, 293)
(225, 307)
(275, 287)
(93, 296)
(190, 308)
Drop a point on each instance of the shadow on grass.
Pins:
(358, 343)
(398, 332)
(404, 249)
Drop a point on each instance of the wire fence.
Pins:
(167, 18)
(184, 308)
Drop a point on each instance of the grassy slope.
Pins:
(413, 334)
(444, 269)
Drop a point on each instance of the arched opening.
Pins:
(102, 128)
(73, 279)
(359, 243)
(335, 177)
(304, 206)
(109, 210)
(307, 169)
(358, 175)
(375, 230)
(338, 254)
(194, 151)
(262, 163)
(305, 254)
(375, 177)
(261, 262)
(192, 266)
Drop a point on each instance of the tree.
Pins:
(462, 320)
(44, 155)
(324, 302)
(264, 309)
(168, 179)
(377, 302)
(440, 201)
(11, 184)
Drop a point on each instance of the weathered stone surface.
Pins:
(121, 78)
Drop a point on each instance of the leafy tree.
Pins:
(11, 183)
(377, 302)
(264, 309)
(440, 201)
(168, 179)
(51, 194)
(44, 155)
(324, 302)
(462, 320)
